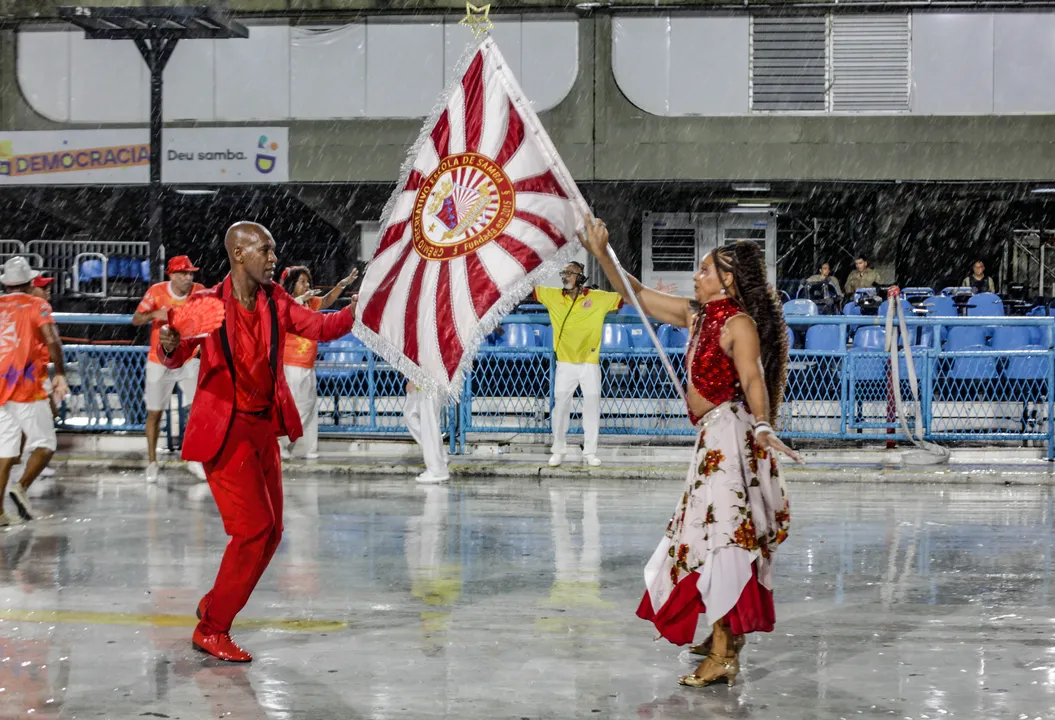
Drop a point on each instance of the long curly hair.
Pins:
(292, 274)
(747, 264)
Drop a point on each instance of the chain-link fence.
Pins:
(980, 393)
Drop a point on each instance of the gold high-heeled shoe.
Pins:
(729, 666)
(704, 648)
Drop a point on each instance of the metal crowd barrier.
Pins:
(974, 394)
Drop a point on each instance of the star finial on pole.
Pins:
(477, 19)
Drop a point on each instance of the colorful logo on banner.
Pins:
(265, 163)
(70, 160)
(464, 204)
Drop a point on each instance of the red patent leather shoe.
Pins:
(202, 604)
(220, 646)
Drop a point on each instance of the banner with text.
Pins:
(209, 156)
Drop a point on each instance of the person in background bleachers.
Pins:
(300, 354)
(978, 280)
(577, 328)
(861, 277)
(160, 381)
(27, 325)
(824, 275)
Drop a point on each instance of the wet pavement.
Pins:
(515, 598)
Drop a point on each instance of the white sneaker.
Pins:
(312, 456)
(197, 470)
(591, 460)
(7, 521)
(556, 459)
(427, 477)
(152, 472)
(285, 454)
(18, 497)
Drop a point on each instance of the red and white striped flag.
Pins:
(483, 210)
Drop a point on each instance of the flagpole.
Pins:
(648, 328)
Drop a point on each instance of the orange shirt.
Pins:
(301, 352)
(159, 297)
(254, 388)
(22, 371)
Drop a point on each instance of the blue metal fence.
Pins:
(973, 384)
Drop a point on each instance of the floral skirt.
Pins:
(716, 556)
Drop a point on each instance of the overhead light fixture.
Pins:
(196, 191)
(751, 187)
(1043, 191)
(764, 205)
(756, 209)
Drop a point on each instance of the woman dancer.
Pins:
(300, 353)
(716, 556)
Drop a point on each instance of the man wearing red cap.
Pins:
(249, 407)
(161, 380)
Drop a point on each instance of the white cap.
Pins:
(18, 272)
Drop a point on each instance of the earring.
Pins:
(724, 291)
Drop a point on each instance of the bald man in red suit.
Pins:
(241, 408)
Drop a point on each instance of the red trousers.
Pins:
(246, 482)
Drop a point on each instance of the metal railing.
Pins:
(968, 394)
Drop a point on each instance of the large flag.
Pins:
(484, 208)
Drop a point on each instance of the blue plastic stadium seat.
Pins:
(673, 337)
(972, 368)
(518, 335)
(802, 306)
(543, 335)
(627, 309)
(823, 338)
(962, 337)
(917, 292)
(791, 337)
(985, 305)
(869, 339)
(90, 270)
(906, 307)
(615, 337)
(639, 337)
(851, 308)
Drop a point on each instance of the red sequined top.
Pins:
(712, 372)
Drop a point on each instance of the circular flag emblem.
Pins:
(464, 204)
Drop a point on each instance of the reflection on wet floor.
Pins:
(515, 598)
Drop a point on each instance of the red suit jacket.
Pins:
(212, 411)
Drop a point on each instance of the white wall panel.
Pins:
(380, 69)
(252, 75)
(190, 81)
(709, 66)
(328, 72)
(43, 64)
(549, 60)
(1024, 63)
(952, 63)
(641, 61)
(507, 34)
(404, 62)
(109, 82)
(683, 65)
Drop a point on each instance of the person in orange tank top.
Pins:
(716, 557)
(161, 381)
(299, 357)
(45, 486)
(25, 325)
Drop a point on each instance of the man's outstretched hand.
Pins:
(170, 339)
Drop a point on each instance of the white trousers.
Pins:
(303, 386)
(570, 376)
(422, 415)
(32, 418)
(160, 382)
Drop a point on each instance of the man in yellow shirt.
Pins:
(577, 316)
